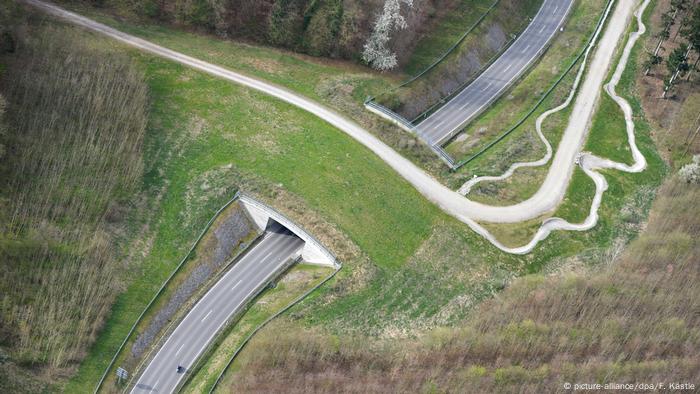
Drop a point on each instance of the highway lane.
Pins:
(546, 199)
(228, 296)
(495, 80)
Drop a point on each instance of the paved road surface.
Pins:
(495, 80)
(547, 198)
(208, 316)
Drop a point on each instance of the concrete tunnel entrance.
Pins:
(267, 218)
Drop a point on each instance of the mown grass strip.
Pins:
(160, 291)
(522, 120)
(264, 323)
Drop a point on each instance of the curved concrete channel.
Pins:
(550, 193)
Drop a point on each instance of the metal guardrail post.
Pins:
(264, 323)
(522, 120)
(160, 291)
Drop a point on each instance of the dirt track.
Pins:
(547, 198)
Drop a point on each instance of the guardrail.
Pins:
(160, 291)
(264, 323)
(408, 126)
(601, 21)
(390, 115)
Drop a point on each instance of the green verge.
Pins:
(203, 132)
(507, 110)
(607, 138)
(292, 285)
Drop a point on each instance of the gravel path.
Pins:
(464, 190)
(548, 197)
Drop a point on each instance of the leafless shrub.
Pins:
(638, 320)
(76, 118)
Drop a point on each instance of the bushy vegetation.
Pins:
(331, 28)
(488, 39)
(635, 321)
(75, 117)
(206, 138)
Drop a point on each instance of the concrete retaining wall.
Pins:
(313, 252)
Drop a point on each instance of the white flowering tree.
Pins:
(376, 51)
(690, 173)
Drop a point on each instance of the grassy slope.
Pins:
(445, 34)
(516, 103)
(198, 127)
(635, 321)
(487, 39)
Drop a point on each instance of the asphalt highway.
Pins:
(440, 126)
(228, 296)
(546, 199)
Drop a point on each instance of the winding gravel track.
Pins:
(467, 186)
(469, 212)
(589, 162)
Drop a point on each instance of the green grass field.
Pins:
(522, 97)
(408, 267)
(607, 138)
(201, 131)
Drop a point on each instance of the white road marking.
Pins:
(234, 286)
(156, 383)
(207, 315)
(508, 68)
(178, 349)
(555, 10)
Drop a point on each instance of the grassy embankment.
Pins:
(416, 268)
(488, 38)
(206, 137)
(607, 138)
(523, 144)
(634, 321)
